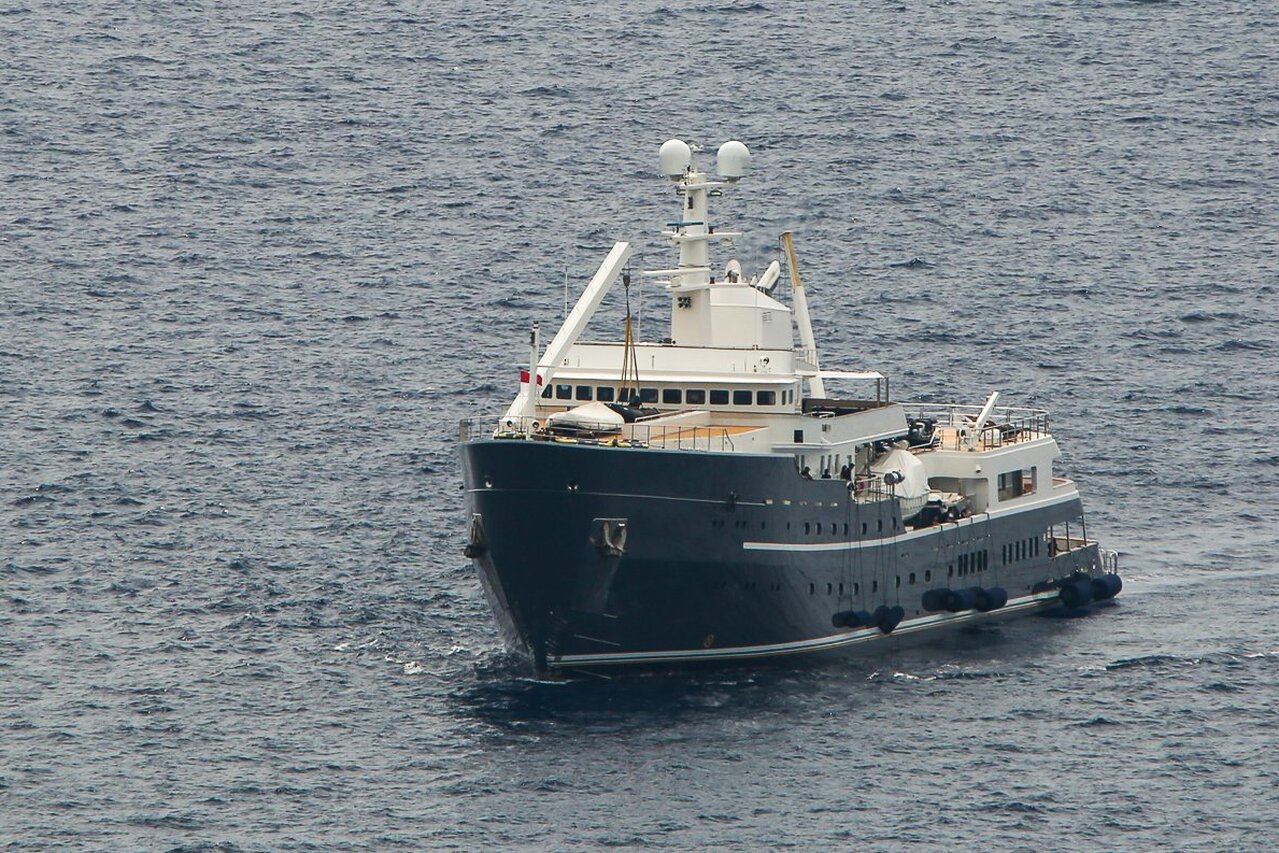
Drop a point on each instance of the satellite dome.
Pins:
(733, 160)
(675, 158)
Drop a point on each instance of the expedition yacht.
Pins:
(703, 497)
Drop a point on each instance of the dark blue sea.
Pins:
(256, 260)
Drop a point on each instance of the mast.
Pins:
(689, 284)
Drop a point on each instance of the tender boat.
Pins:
(703, 497)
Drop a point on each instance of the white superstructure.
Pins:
(731, 378)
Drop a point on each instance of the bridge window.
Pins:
(584, 392)
(741, 398)
(695, 396)
(671, 395)
(766, 398)
(719, 398)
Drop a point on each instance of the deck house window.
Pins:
(648, 395)
(563, 392)
(766, 398)
(1013, 485)
(584, 392)
(604, 393)
(741, 398)
(719, 398)
(695, 397)
(672, 395)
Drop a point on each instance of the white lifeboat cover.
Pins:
(596, 417)
(915, 482)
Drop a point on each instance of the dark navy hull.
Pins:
(596, 556)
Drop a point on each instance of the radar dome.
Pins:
(733, 160)
(675, 158)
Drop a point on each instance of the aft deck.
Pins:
(1005, 426)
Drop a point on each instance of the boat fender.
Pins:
(1106, 586)
(1076, 592)
(890, 619)
(935, 599)
(878, 614)
(474, 550)
(851, 619)
(992, 599)
(961, 599)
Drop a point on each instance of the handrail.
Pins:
(1005, 425)
(698, 437)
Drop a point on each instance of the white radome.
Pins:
(675, 158)
(733, 160)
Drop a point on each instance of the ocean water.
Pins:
(257, 260)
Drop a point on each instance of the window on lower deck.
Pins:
(695, 397)
(672, 395)
(648, 395)
(604, 393)
(741, 398)
(563, 392)
(584, 392)
(719, 398)
(766, 398)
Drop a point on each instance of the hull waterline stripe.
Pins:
(835, 641)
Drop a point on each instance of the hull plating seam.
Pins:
(864, 635)
(712, 501)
